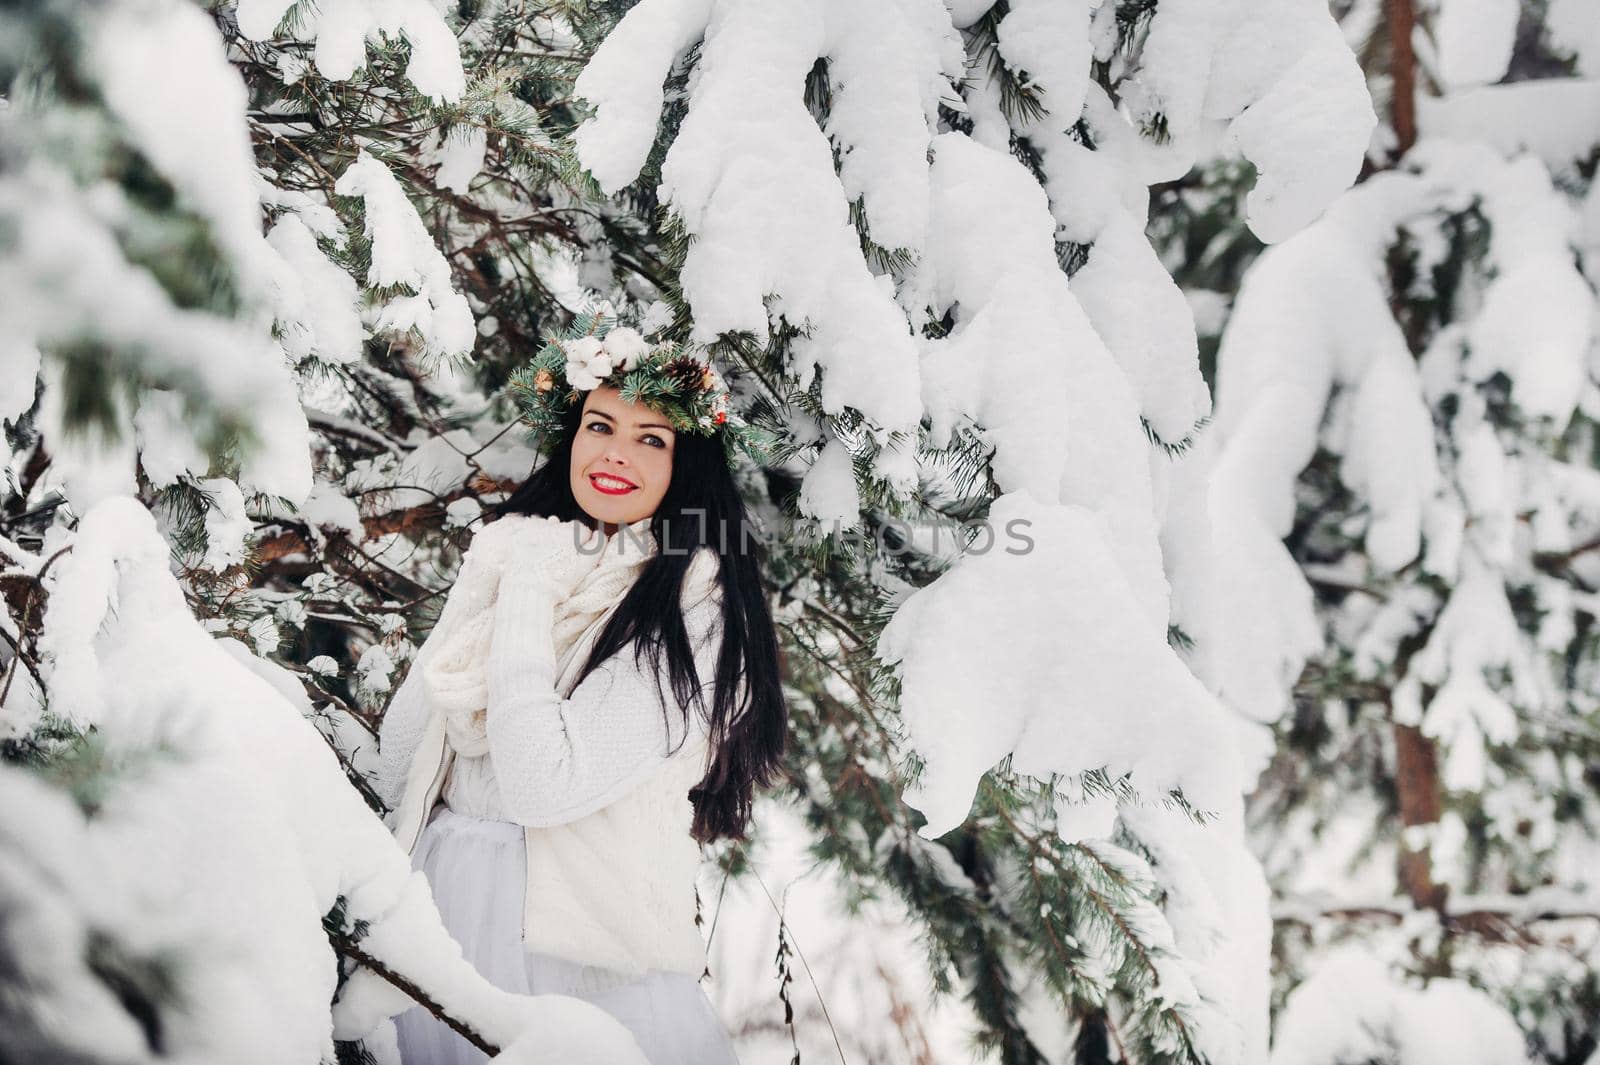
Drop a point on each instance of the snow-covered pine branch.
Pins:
(1406, 504)
(895, 242)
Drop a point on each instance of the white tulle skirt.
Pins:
(477, 869)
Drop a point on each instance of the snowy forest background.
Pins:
(1274, 321)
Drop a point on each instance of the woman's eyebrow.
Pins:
(641, 425)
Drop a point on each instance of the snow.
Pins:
(1175, 67)
(1303, 137)
(1002, 629)
(1216, 901)
(1574, 29)
(1049, 41)
(1146, 323)
(769, 216)
(1537, 322)
(460, 157)
(186, 115)
(318, 302)
(52, 901)
(19, 371)
(623, 84)
(67, 281)
(1474, 40)
(279, 463)
(1316, 295)
(328, 507)
(341, 30)
(1474, 634)
(437, 466)
(828, 491)
(167, 449)
(97, 461)
(863, 961)
(888, 67)
(1553, 118)
(1073, 436)
(1351, 1009)
(462, 512)
(374, 668)
(245, 841)
(404, 254)
(227, 524)
(1299, 108)
(751, 176)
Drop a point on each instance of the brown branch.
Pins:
(1500, 924)
(34, 595)
(1417, 788)
(347, 946)
(292, 541)
(1402, 20)
(1556, 559)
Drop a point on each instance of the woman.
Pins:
(599, 696)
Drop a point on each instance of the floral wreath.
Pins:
(664, 376)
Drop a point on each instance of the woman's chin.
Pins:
(602, 507)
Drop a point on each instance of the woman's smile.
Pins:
(610, 485)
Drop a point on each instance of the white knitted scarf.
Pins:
(589, 605)
(455, 673)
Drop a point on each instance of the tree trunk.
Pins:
(1402, 21)
(1416, 785)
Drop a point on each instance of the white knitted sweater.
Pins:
(482, 721)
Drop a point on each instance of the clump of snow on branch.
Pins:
(404, 254)
(237, 895)
(319, 300)
(1048, 609)
(1056, 377)
(341, 30)
(1352, 1009)
(1321, 295)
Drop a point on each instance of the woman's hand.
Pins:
(555, 553)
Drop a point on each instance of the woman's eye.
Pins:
(651, 438)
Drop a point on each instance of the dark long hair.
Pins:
(748, 722)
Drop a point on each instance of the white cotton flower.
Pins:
(626, 347)
(323, 666)
(579, 377)
(582, 355)
(581, 351)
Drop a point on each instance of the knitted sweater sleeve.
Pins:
(406, 717)
(559, 759)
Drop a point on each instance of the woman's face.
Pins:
(621, 458)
